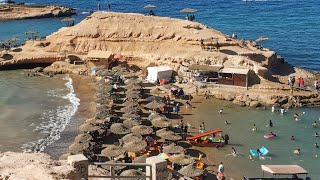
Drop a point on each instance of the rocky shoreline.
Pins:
(18, 12)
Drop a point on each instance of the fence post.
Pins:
(80, 163)
(158, 169)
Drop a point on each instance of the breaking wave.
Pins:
(54, 121)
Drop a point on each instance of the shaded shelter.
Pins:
(88, 127)
(156, 91)
(140, 159)
(132, 172)
(133, 96)
(164, 131)
(155, 105)
(191, 171)
(135, 146)
(141, 129)
(112, 151)
(119, 128)
(181, 159)
(132, 122)
(173, 149)
(131, 137)
(83, 137)
(170, 136)
(131, 115)
(160, 122)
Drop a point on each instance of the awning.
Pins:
(283, 169)
(234, 71)
(213, 68)
(94, 54)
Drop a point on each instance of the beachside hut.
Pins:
(205, 73)
(96, 58)
(159, 73)
(234, 76)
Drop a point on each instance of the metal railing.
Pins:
(112, 175)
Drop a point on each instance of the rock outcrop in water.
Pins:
(15, 12)
(163, 41)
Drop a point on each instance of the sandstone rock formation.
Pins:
(35, 166)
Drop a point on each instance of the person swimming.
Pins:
(315, 125)
(273, 134)
(270, 123)
(316, 134)
(316, 145)
(220, 111)
(297, 151)
(292, 138)
(254, 129)
(233, 151)
(296, 116)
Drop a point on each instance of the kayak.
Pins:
(269, 136)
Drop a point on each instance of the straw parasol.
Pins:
(140, 159)
(88, 127)
(149, 6)
(154, 98)
(155, 105)
(170, 136)
(131, 137)
(181, 159)
(191, 171)
(77, 147)
(133, 86)
(128, 109)
(156, 91)
(188, 10)
(132, 122)
(104, 72)
(130, 103)
(163, 131)
(141, 129)
(132, 172)
(154, 115)
(83, 137)
(119, 128)
(130, 115)
(133, 96)
(112, 151)
(160, 122)
(173, 149)
(132, 81)
(135, 146)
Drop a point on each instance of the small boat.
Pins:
(207, 139)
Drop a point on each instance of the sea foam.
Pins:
(54, 121)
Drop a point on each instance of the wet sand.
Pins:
(85, 89)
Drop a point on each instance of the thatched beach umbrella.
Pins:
(173, 149)
(154, 98)
(112, 151)
(83, 137)
(135, 146)
(160, 122)
(133, 86)
(188, 10)
(88, 127)
(155, 105)
(170, 136)
(141, 159)
(133, 96)
(129, 109)
(181, 159)
(132, 81)
(132, 122)
(156, 91)
(104, 72)
(131, 137)
(141, 129)
(119, 128)
(77, 147)
(131, 115)
(130, 103)
(149, 6)
(191, 171)
(132, 172)
(163, 131)
(154, 115)
(133, 91)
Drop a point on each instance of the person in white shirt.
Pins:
(221, 168)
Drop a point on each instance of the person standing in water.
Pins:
(315, 125)
(254, 129)
(270, 123)
(233, 151)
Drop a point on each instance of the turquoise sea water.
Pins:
(292, 26)
(242, 138)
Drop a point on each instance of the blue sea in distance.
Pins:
(292, 26)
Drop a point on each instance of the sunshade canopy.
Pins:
(283, 169)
